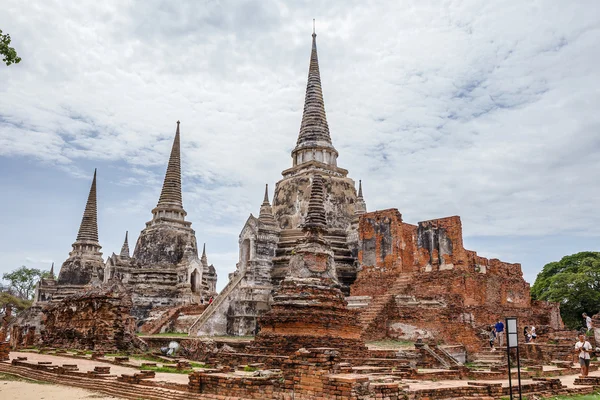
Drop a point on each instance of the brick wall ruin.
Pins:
(424, 283)
(307, 374)
(97, 319)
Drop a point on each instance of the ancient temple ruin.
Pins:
(267, 242)
(164, 270)
(388, 271)
(321, 285)
(418, 281)
(406, 281)
(85, 261)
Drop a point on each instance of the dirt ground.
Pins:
(21, 390)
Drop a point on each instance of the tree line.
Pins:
(574, 282)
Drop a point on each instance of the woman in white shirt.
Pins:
(583, 347)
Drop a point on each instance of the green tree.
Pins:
(574, 282)
(9, 53)
(22, 281)
(16, 303)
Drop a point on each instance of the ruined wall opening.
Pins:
(195, 281)
(245, 253)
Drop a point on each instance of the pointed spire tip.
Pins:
(125, 248)
(171, 191)
(88, 230)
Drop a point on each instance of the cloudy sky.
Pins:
(487, 110)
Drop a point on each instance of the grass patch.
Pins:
(391, 344)
(30, 350)
(230, 337)
(170, 370)
(199, 365)
(248, 368)
(166, 334)
(147, 357)
(173, 370)
(592, 396)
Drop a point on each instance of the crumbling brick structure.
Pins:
(307, 374)
(422, 282)
(4, 351)
(97, 319)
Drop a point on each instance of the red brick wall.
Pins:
(475, 291)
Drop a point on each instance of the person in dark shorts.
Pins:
(583, 347)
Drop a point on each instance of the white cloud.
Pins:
(488, 110)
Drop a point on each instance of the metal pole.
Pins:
(508, 358)
(519, 371)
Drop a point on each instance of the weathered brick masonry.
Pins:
(97, 319)
(424, 283)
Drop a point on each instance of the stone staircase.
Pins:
(451, 361)
(217, 301)
(288, 240)
(486, 358)
(153, 327)
(170, 316)
(371, 312)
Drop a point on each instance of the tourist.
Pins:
(587, 322)
(583, 347)
(492, 336)
(210, 300)
(527, 334)
(500, 332)
(202, 300)
(533, 334)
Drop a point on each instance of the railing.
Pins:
(429, 350)
(448, 356)
(217, 301)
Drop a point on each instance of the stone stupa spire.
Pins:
(52, 271)
(88, 230)
(204, 259)
(360, 207)
(125, 248)
(266, 198)
(85, 256)
(314, 142)
(170, 196)
(316, 220)
(170, 203)
(266, 211)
